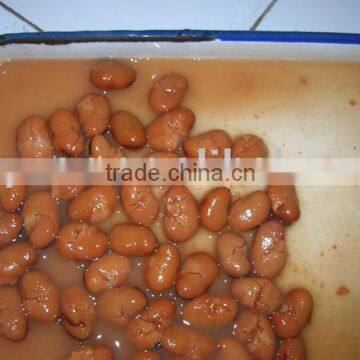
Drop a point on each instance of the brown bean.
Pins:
(11, 197)
(40, 296)
(41, 218)
(255, 332)
(117, 306)
(168, 131)
(81, 241)
(197, 273)
(66, 192)
(214, 142)
(127, 130)
(257, 294)
(78, 312)
(92, 352)
(139, 203)
(162, 268)
(14, 260)
(109, 271)
(268, 252)
(251, 211)
(132, 240)
(168, 92)
(233, 254)
(112, 75)
(214, 209)
(249, 146)
(145, 331)
(33, 139)
(291, 349)
(181, 218)
(93, 111)
(231, 349)
(284, 202)
(65, 129)
(294, 313)
(13, 324)
(187, 343)
(94, 204)
(208, 311)
(99, 147)
(145, 355)
(10, 227)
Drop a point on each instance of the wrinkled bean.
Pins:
(168, 131)
(162, 268)
(66, 192)
(291, 349)
(94, 204)
(181, 218)
(92, 352)
(10, 227)
(11, 197)
(132, 240)
(168, 92)
(257, 294)
(197, 273)
(214, 209)
(249, 146)
(40, 296)
(231, 349)
(99, 147)
(108, 271)
(81, 241)
(139, 203)
(268, 251)
(117, 306)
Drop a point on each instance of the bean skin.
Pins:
(117, 306)
(14, 260)
(168, 92)
(139, 204)
(233, 254)
(41, 218)
(10, 227)
(214, 142)
(162, 268)
(249, 146)
(13, 325)
(294, 313)
(249, 212)
(94, 204)
(81, 242)
(145, 355)
(33, 139)
(145, 331)
(66, 192)
(108, 271)
(132, 240)
(231, 349)
(92, 352)
(208, 311)
(268, 252)
(257, 294)
(187, 343)
(11, 197)
(214, 209)
(40, 296)
(255, 332)
(197, 273)
(99, 147)
(284, 202)
(65, 129)
(93, 112)
(112, 75)
(78, 312)
(127, 130)
(168, 131)
(181, 218)
(291, 349)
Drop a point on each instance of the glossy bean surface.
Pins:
(10, 227)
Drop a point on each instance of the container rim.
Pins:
(56, 38)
